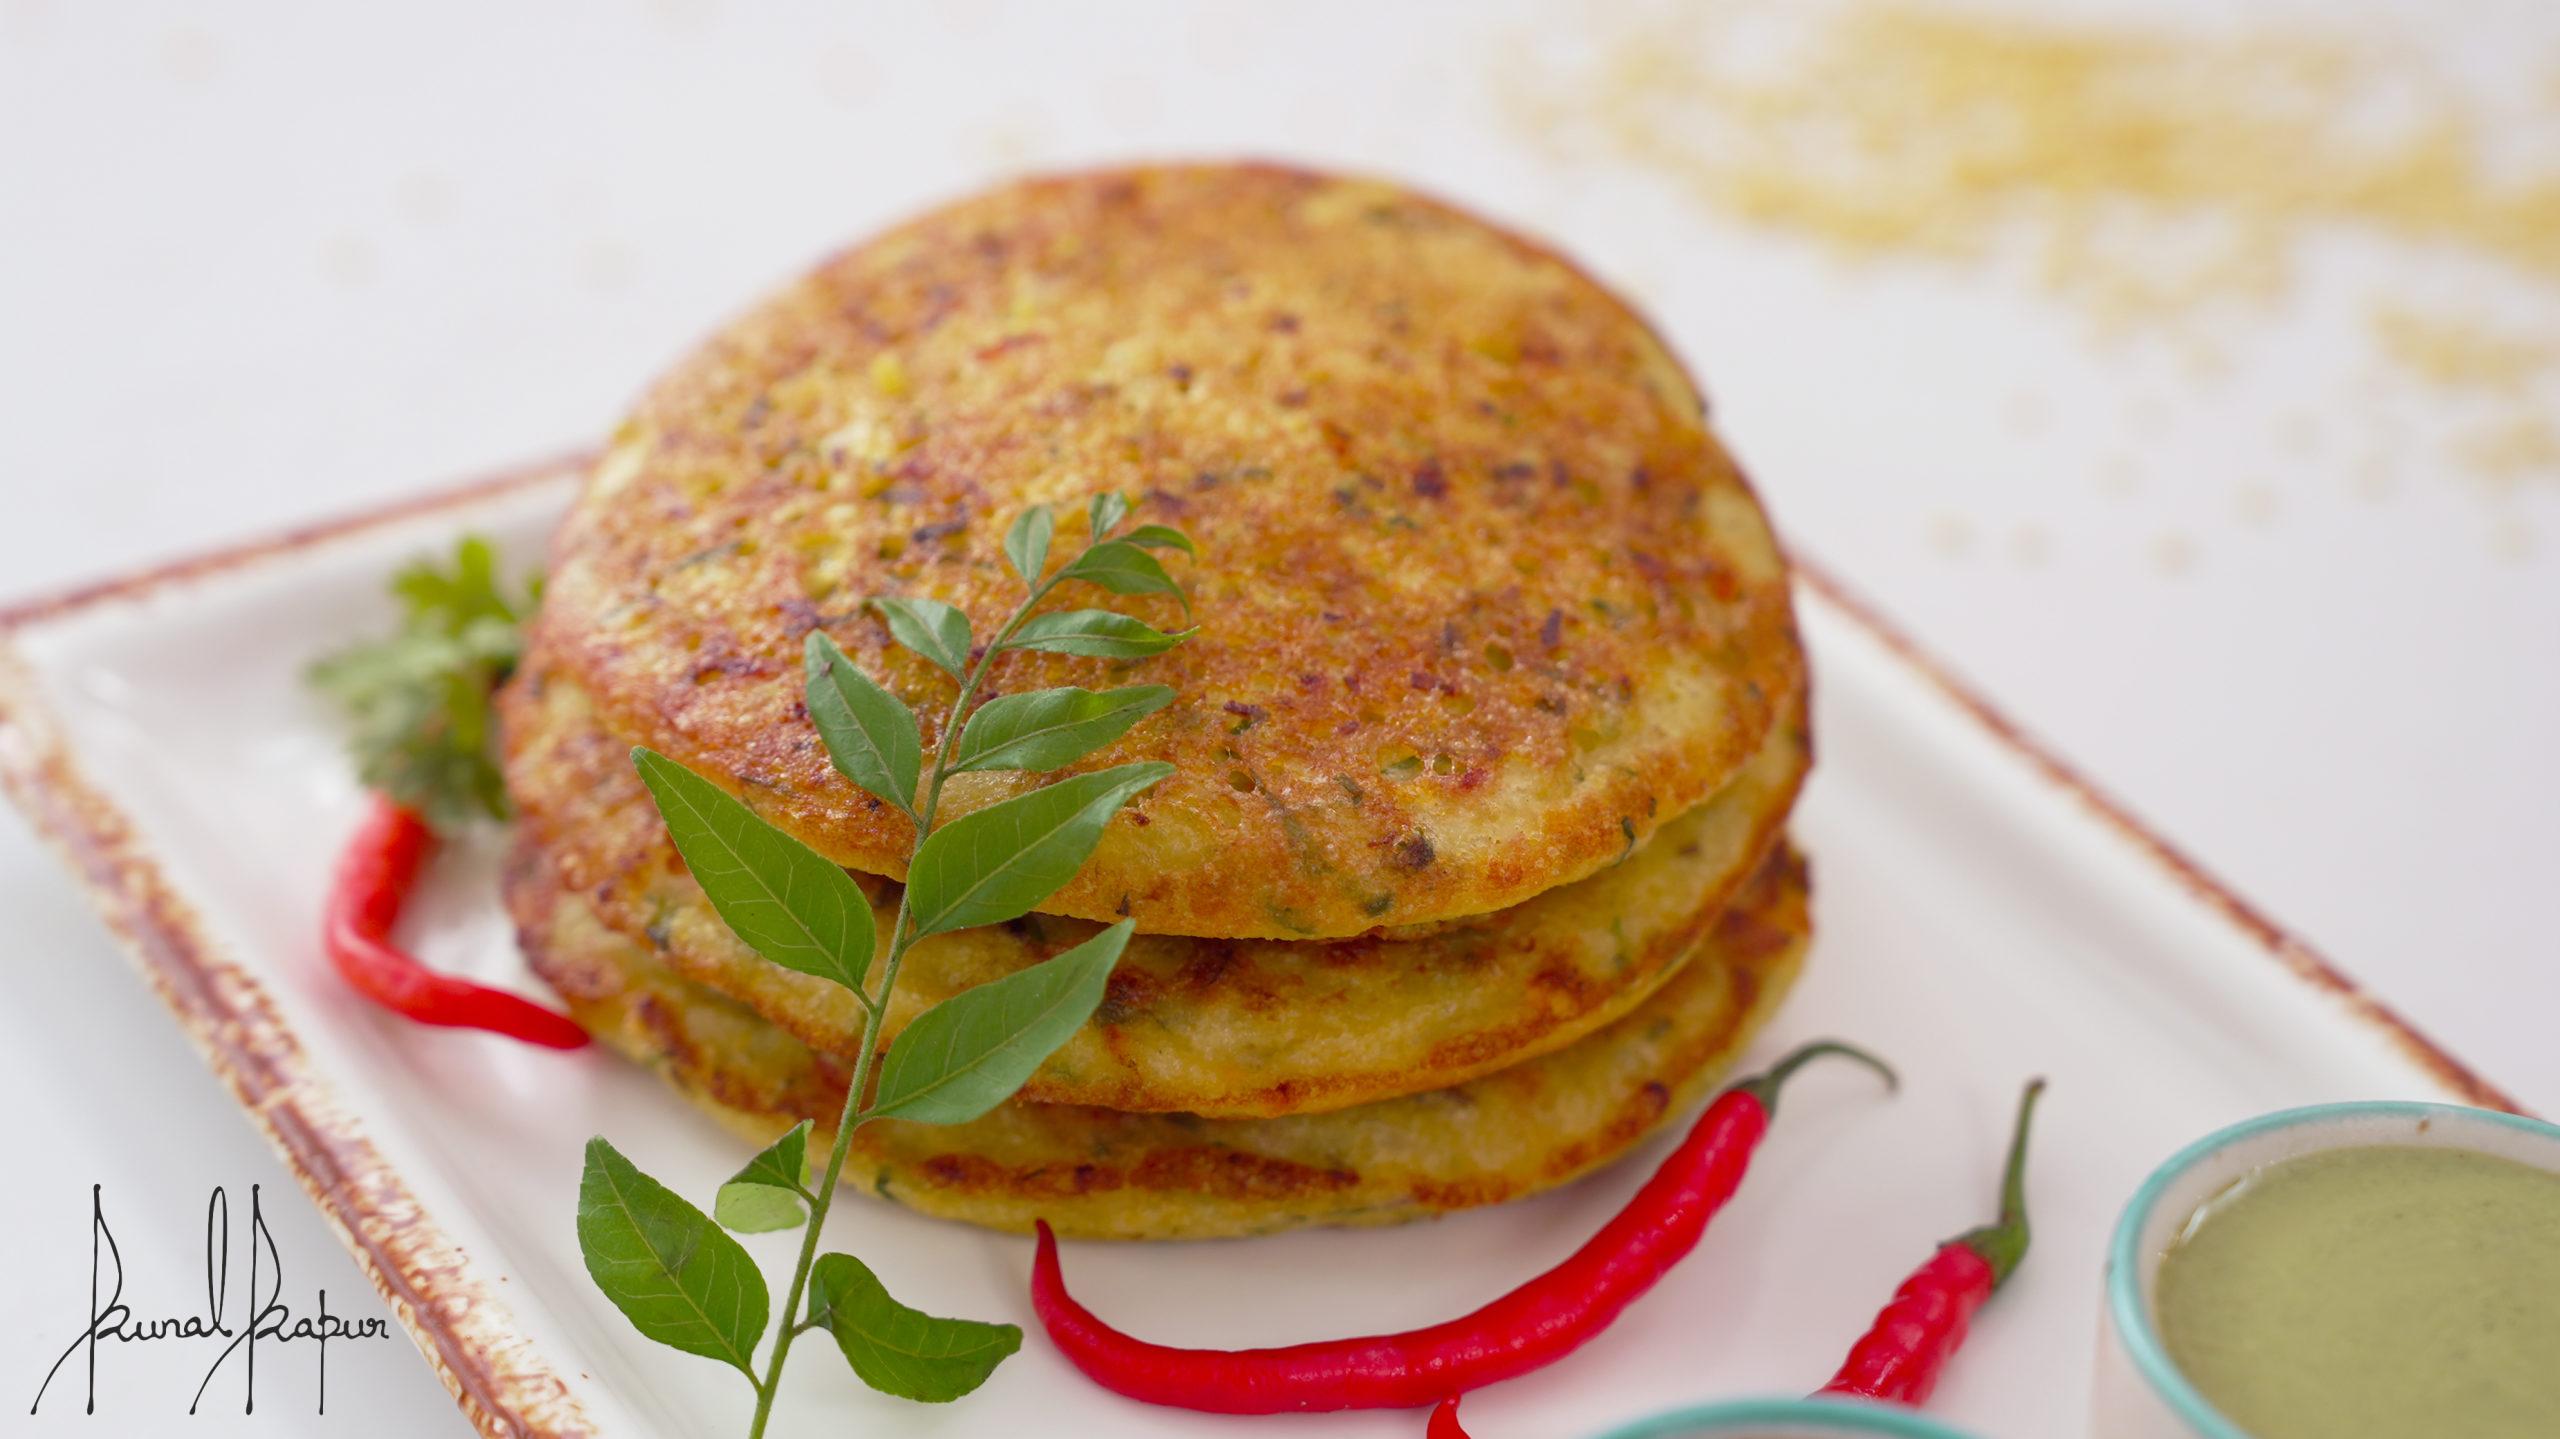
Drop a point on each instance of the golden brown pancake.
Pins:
(1482, 603)
(1099, 1173)
(1231, 1028)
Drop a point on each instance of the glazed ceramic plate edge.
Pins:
(495, 1369)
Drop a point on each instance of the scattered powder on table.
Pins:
(2512, 450)
(2029, 544)
(2147, 175)
(2512, 539)
(1950, 534)
(2157, 169)
(2459, 352)
(2498, 372)
(2256, 503)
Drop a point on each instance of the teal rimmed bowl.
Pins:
(2139, 1393)
(1786, 1419)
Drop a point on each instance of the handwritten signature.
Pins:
(111, 1320)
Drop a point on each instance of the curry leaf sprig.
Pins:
(424, 731)
(672, 1269)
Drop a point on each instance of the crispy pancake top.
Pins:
(1481, 601)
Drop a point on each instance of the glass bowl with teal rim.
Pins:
(1786, 1419)
(2140, 1392)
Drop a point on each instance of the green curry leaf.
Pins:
(1108, 510)
(870, 733)
(1161, 537)
(665, 1265)
(1099, 633)
(994, 865)
(1048, 729)
(897, 1350)
(767, 1194)
(1027, 543)
(1124, 569)
(930, 628)
(677, 1273)
(969, 1053)
(789, 903)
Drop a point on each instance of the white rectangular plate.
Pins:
(1982, 917)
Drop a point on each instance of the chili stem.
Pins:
(1765, 1086)
(2004, 1243)
(901, 937)
(1907, 1346)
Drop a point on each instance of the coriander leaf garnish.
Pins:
(419, 699)
(959, 1058)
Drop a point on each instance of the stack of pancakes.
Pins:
(1473, 869)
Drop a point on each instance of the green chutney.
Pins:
(2374, 1292)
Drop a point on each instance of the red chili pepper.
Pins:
(375, 874)
(1444, 1421)
(1901, 1355)
(1536, 1324)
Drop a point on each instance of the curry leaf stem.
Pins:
(901, 935)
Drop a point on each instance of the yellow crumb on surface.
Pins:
(2256, 503)
(2147, 174)
(2512, 539)
(2374, 478)
(2173, 552)
(2459, 351)
(348, 260)
(2518, 448)
(2029, 545)
(1950, 534)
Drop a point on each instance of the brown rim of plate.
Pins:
(496, 1375)
(493, 1371)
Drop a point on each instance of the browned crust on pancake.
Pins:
(1231, 1028)
(1481, 597)
(1101, 1174)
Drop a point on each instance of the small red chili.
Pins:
(1444, 1421)
(1901, 1355)
(1534, 1325)
(375, 873)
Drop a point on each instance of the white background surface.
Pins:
(276, 261)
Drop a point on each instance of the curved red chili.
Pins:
(1534, 1325)
(1444, 1421)
(375, 873)
(1902, 1354)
